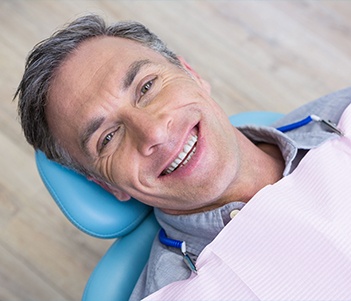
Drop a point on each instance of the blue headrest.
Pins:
(88, 206)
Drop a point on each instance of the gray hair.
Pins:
(47, 56)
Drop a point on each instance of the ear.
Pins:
(119, 194)
(203, 83)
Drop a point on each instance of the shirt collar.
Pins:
(199, 229)
(267, 134)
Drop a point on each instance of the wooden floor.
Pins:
(258, 55)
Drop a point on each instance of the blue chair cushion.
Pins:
(88, 206)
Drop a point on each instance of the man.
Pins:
(116, 105)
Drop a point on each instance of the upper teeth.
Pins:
(184, 156)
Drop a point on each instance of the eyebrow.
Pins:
(133, 71)
(88, 132)
(96, 123)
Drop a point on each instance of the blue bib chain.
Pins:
(307, 120)
(179, 245)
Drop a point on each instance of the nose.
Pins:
(149, 130)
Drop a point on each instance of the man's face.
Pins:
(147, 127)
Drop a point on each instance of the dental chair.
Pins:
(98, 213)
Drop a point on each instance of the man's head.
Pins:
(47, 57)
(121, 108)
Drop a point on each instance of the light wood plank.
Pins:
(257, 55)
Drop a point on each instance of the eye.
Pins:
(145, 88)
(107, 139)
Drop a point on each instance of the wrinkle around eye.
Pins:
(104, 167)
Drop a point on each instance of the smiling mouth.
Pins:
(184, 156)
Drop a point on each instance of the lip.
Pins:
(186, 169)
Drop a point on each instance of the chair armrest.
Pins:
(119, 269)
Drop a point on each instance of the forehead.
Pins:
(98, 55)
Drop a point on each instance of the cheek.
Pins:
(119, 169)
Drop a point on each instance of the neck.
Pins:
(261, 167)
